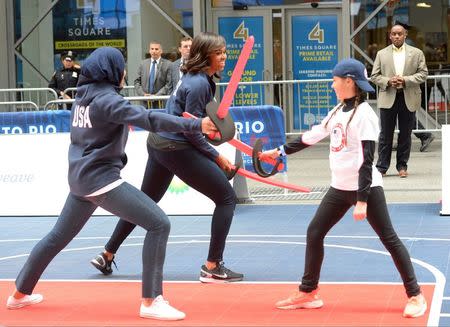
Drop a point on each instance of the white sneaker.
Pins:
(300, 300)
(415, 307)
(160, 309)
(14, 303)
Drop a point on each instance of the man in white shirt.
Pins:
(398, 71)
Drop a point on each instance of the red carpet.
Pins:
(117, 304)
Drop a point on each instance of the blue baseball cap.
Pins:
(356, 71)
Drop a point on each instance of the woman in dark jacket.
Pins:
(99, 131)
(191, 158)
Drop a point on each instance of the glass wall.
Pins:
(241, 4)
(45, 28)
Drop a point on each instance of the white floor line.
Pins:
(370, 237)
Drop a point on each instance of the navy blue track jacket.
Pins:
(192, 95)
(100, 117)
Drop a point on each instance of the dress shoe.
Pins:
(403, 173)
(426, 143)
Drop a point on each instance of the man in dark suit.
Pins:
(184, 47)
(398, 71)
(154, 75)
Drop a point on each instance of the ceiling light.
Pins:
(423, 5)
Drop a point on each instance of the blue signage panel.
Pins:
(35, 122)
(264, 122)
(235, 30)
(314, 54)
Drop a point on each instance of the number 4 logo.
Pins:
(317, 34)
(241, 32)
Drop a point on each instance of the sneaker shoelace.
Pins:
(162, 301)
(222, 269)
(414, 300)
(108, 262)
(114, 264)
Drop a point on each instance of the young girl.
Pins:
(99, 131)
(353, 129)
(191, 158)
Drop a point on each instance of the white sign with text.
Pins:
(33, 176)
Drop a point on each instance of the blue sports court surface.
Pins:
(267, 244)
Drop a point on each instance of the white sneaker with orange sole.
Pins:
(415, 307)
(14, 303)
(300, 300)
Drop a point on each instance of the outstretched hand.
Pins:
(272, 154)
(208, 126)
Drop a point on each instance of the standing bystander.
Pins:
(398, 70)
(153, 75)
(184, 48)
(65, 77)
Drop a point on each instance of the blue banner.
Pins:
(35, 122)
(235, 30)
(315, 53)
(264, 122)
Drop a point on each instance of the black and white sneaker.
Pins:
(220, 274)
(102, 263)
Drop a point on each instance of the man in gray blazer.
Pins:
(398, 71)
(158, 69)
(184, 47)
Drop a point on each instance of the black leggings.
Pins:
(197, 171)
(332, 208)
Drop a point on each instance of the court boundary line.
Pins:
(374, 237)
(111, 280)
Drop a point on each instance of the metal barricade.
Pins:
(151, 102)
(138, 100)
(18, 106)
(305, 97)
(38, 96)
(59, 104)
(436, 104)
(127, 91)
(302, 97)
